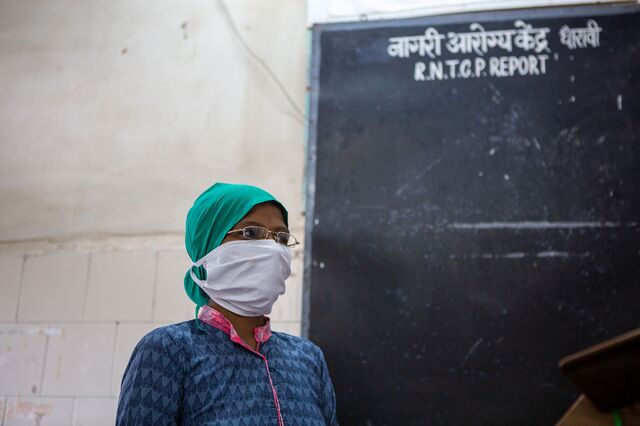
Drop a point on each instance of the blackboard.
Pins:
(473, 209)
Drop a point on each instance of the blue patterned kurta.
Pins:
(183, 375)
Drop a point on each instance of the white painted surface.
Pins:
(80, 360)
(326, 11)
(171, 303)
(95, 411)
(29, 411)
(11, 273)
(289, 327)
(22, 356)
(120, 286)
(53, 287)
(115, 115)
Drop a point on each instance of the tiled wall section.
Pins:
(69, 321)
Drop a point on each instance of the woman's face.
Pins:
(267, 215)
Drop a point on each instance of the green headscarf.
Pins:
(213, 214)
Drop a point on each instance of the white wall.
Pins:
(325, 11)
(114, 116)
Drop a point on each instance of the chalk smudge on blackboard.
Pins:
(552, 253)
(521, 255)
(619, 101)
(536, 142)
(471, 350)
(538, 225)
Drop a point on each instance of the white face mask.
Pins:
(246, 277)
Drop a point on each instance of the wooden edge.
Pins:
(570, 411)
(600, 347)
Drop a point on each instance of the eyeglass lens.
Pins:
(259, 233)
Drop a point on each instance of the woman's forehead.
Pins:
(265, 214)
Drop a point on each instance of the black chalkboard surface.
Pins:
(473, 209)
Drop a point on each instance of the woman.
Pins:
(227, 367)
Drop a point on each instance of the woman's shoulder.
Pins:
(172, 335)
(165, 349)
(298, 351)
(296, 342)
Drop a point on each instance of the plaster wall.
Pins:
(115, 115)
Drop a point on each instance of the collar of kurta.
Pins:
(215, 319)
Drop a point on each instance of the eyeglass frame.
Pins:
(269, 232)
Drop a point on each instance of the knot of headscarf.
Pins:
(213, 214)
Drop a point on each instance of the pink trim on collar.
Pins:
(215, 319)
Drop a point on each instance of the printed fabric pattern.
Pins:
(183, 375)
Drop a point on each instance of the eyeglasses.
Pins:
(260, 233)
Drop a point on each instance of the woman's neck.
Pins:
(244, 325)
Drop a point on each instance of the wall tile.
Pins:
(22, 355)
(171, 302)
(292, 328)
(95, 412)
(53, 287)
(120, 286)
(79, 360)
(10, 274)
(30, 411)
(128, 337)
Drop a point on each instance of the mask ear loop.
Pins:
(200, 283)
